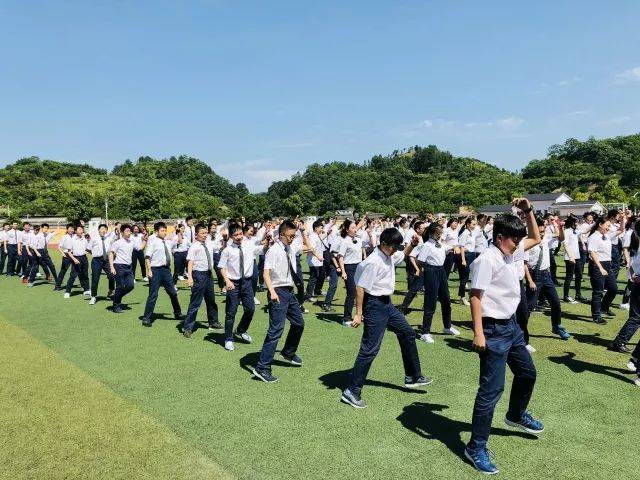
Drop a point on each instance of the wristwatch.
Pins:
(528, 210)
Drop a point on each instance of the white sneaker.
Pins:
(451, 331)
(87, 293)
(256, 301)
(244, 336)
(631, 366)
(228, 345)
(224, 290)
(30, 285)
(180, 277)
(67, 295)
(92, 301)
(530, 348)
(145, 279)
(624, 306)
(134, 281)
(464, 301)
(347, 323)
(570, 300)
(176, 288)
(427, 338)
(637, 381)
(38, 275)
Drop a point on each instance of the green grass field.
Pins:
(90, 394)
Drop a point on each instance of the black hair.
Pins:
(570, 223)
(391, 237)
(466, 222)
(158, 225)
(198, 227)
(44, 225)
(451, 220)
(189, 217)
(417, 224)
(124, 226)
(481, 216)
(234, 227)
(79, 226)
(612, 214)
(24, 224)
(344, 229)
(286, 225)
(630, 222)
(635, 239)
(317, 223)
(508, 225)
(5, 224)
(431, 229)
(540, 221)
(596, 223)
(70, 225)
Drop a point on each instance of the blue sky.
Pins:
(260, 89)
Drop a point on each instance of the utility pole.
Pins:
(106, 210)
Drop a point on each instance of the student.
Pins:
(522, 312)
(41, 255)
(200, 279)
(237, 264)
(63, 247)
(189, 230)
(216, 241)
(139, 240)
(332, 264)
(248, 231)
(315, 260)
(573, 268)
(281, 276)
(553, 233)
(481, 237)
(24, 251)
(584, 229)
(450, 241)
(350, 255)
(616, 232)
(158, 258)
(99, 247)
(431, 257)
(467, 244)
(627, 253)
(495, 294)
(415, 279)
(601, 270)
(11, 249)
(375, 283)
(539, 264)
(630, 327)
(3, 249)
(120, 256)
(77, 253)
(181, 246)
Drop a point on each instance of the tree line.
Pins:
(417, 179)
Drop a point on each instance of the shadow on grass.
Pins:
(461, 344)
(329, 317)
(340, 379)
(250, 360)
(592, 339)
(575, 316)
(424, 420)
(580, 366)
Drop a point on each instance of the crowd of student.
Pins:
(509, 261)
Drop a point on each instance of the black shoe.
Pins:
(146, 322)
(57, 288)
(608, 313)
(293, 360)
(265, 375)
(215, 326)
(187, 333)
(620, 348)
(180, 317)
(327, 308)
(600, 321)
(420, 381)
(117, 309)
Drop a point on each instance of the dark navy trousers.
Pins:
(12, 259)
(161, 277)
(99, 265)
(241, 294)
(545, 286)
(287, 308)
(378, 315)
(505, 345)
(202, 289)
(81, 271)
(522, 313)
(414, 283)
(179, 264)
(64, 266)
(44, 261)
(436, 288)
(316, 280)
(333, 285)
(463, 271)
(633, 323)
(124, 282)
(599, 300)
(350, 284)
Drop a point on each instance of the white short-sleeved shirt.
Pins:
(626, 239)
(12, 237)
(137, 240)
(449, 238)
(215, 244)
(190, 233)
(614, 233)
(95, 245)
(20, 236)
(571, 244)
(583, 230)
(467, 240)
(553, 240)
(541, 249)
(40, 240)
(123, 251)
(480, 239)
(498, 277)
(376, 274)
(275, 261)
(65, 242)
(230, 258)
(3, 235)
(318, 245)
(27, 238)
(183, 246)
(334, 243)
(408, 236)
(156, 252)
(78, 246)
(432, 254)
(601, 245)
(351, 250)
(198, 255)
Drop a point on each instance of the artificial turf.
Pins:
(90, 394)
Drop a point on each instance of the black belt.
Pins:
(382, 298)
(492, 321)
(286, 287)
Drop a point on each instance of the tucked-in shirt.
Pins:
(614, 233)
(275, 261)
(40, 240)
(198, 255)
(480, 239)
(497, 275)
(571, 244)
(3, 235)
(351, 250)
(157, 253)
(13, 237)
(65, 242)
(318, 245)
(230, 258)
(215, 244)
(449, 238)
(541, 249)
(183, 246)
(467, 240)
(95, 245)
(78, 246)
(190, 233)
(123, 251)
(137, 240)
(626, 239)
(431, 254)
(601, 245)
(376, 274)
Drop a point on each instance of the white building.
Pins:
(577, 208)
(542, 202)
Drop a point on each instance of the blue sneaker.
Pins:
(481, 460)
(527, 424)
(293, 360)
(561, 332)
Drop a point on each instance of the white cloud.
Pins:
(569, 81)
(628, 76)
(510, 123)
